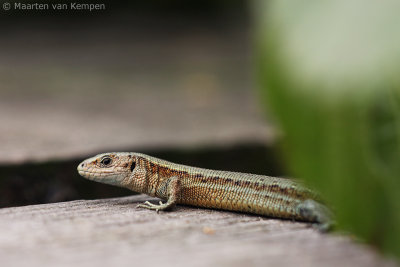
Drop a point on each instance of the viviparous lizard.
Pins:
(181, 184)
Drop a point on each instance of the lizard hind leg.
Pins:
(169, 189)
(312, 211)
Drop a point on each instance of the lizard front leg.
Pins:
(169, 189)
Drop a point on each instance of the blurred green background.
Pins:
(330, 72)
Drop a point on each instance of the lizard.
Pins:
(233, 191)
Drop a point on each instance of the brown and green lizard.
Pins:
(180, 184)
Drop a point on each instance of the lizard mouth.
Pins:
(92, 173)
(84, 173)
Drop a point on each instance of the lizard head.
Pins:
(112, 168)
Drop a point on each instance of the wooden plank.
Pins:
(113, 232)
(133, 88)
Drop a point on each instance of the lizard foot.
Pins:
(151, 206)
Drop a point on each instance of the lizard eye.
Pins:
(106, 161)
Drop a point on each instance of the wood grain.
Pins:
(113, 232)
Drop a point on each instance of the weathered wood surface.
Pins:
(113, 232)
(145, 90)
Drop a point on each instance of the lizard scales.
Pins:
(181, 184)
